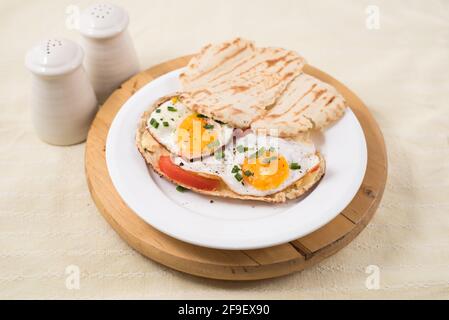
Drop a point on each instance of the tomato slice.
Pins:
(185, 177)
(315, 168)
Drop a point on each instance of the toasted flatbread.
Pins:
(306, 104)
(235, 82)
(262, 88)
(151, 151)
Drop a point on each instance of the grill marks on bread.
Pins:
(235, 82)
(262, 88)
(307, 103)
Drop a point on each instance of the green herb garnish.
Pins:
(158, 110)
(172, 109)
(181, 189)
(238, 177)
(258, 153)
(294, 166)
(199, 115)
(268, 160)
(208, 126)
(154, 123)
(213, 144)
(242, 149)
(248, 173)
(235, 169)
(165, 123)
(219, 154)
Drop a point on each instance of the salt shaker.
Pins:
(110, 55)
(63, 102)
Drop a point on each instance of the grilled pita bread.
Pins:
(152, 150)
(235, 82)
(262, 88)
(306, 104)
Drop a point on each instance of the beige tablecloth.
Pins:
(401, 70)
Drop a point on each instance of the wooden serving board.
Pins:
(232, 264)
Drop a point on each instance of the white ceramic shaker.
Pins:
(110, 55)
(63, 102)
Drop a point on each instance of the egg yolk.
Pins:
(265, 172)
(195, 136)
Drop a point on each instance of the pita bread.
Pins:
(306, 104)
(235, 81)
(262, 88)
(151, 151)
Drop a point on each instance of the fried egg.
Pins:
(185, 133)
(257, 165)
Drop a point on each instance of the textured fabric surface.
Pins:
(401, 70)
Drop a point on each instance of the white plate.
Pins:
(230, 224)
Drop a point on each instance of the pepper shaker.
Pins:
(63, 102)
(110, 55)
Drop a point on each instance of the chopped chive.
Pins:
(248, 173)
(258, 153)
(199, 115)
(181, 189)
(242, 149)
(294, 166)
(213, 144)
(235, 169)
(220, 122)
(272, 149)
(154, 123)
(172, 109)
(158, 110)
(208, 126)
(219, 154)
(268, 160)
(165, 123)
(238, 177)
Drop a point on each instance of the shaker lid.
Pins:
(103, 20)
(54, 56)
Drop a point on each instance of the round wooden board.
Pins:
(232, 264)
